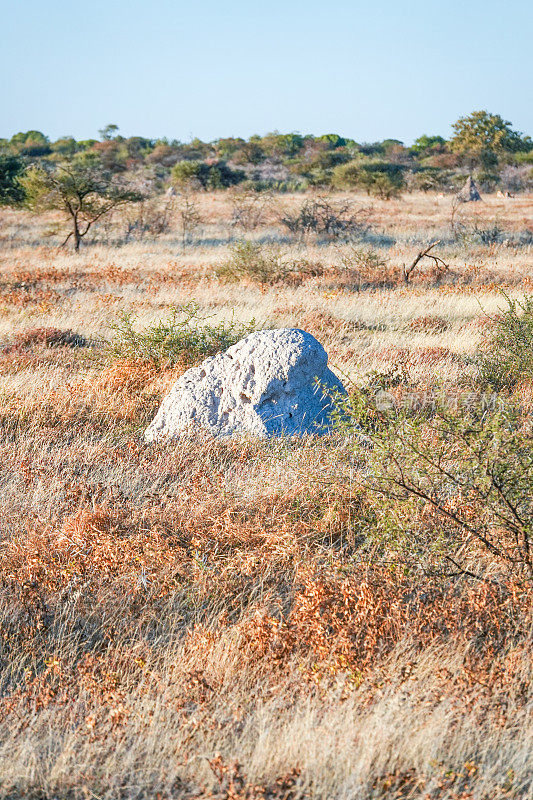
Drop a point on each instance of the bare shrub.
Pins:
(249, 208)
(364, 266)
(189, 217)
(516, 179)
(152, 217)
(333, 219)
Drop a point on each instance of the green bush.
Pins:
(200, 175)
(265, 266)
(189, 173)
(460, 483)
(427, 145)
(488, 180)
(381, 182)
(524, 158)
(378, 178)
(346, 176)
(182, 337)
(11, 189)
(507, 359)
(250, 260)
(428, 179)
(31, 143)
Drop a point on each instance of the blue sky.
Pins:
(367, 70)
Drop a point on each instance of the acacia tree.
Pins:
(83, 193)
(481, 132)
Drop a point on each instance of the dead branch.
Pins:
(439, 263)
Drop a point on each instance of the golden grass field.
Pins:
(214, 618)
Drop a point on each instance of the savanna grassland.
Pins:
(347, 617)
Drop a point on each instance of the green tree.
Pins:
(252, 152)
(65, 147)
(31, 143)
(84, 194)
(332, 140)
(108, 132)
(190, 174)
(33, 136)
(199, 175)
(481, 132)
(11, 189)
(226, 148)
(378, 178)
(428, 145)
(283, 144)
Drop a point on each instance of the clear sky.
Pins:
(365, 69)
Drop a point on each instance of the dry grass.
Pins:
(215, 619)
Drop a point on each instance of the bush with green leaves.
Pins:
(11, 189)
(346, 176)
(31, 143)
(265, 266)
(488, 180)
(183, 337)
(460, 482)
(426, 146)
(483, 133)
(379, 178)
(428, 179)
(251, 261)
(201, 175)
(382, 183)
(507, 359)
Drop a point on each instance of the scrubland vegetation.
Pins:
(345, 617)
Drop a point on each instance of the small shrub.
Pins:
(464, 481)
(249, 208)
(189, 218)
(368, 267)
(471, 234)
(508, 356)
(265, 266)
(366, 259)
(493, 234)
(252, 261)
(148, 216)
(334, 220)
(181, 338)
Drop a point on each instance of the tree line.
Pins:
(87, 178)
